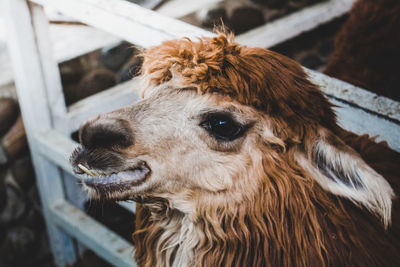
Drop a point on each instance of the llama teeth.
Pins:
(86, 170)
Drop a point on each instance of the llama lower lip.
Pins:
(119, 181)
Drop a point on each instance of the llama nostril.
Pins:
(106, 133)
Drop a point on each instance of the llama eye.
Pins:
(222, 127)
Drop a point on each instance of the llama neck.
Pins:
(166, 237)
(269, 229)
(176, 245)
(252, 233)
(250, 237)
(219, 238)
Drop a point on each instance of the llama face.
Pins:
(173, 143)
(222, 125)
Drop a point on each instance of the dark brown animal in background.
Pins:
(237, 160)
(367, 49)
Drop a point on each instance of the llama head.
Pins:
(221, 125)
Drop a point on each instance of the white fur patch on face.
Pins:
(345, 174)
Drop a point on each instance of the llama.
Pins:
(236, 159)
(367, 48)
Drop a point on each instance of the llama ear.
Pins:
(341, 171)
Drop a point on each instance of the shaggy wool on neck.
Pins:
(290, 221)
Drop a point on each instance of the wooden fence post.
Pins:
(35, 107)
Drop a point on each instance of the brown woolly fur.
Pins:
(290, 220)
(367, 50)
(288, 224)
(278, 184)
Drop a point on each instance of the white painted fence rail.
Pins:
(49, 122)
(31, 87)
(128, 21)
(294, 24)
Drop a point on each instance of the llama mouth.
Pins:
(116, 181)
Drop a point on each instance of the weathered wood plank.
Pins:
(104, 242)
(131, 22)
(283, 29)
(362, 122)
(69, 41)
(55, 96)
(356, 96)
(31, 88)
(56, 147)
(51, 74)
(181, 8)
